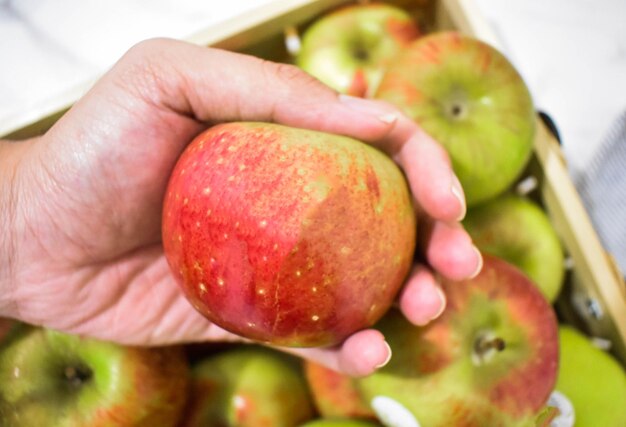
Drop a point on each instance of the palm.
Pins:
(103, 233)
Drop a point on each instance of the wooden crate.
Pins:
(594, 296)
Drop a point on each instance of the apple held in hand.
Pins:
(348, 49)
(48, 378)
(489, 360)
(248, 387)
(471, 99)
(288, 236)
(519, 230)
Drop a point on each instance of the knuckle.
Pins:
(290, 75)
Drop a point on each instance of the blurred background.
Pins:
(572, 54)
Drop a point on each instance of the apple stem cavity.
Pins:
(458, 111)
(76, 376)
(361, 54)
(486, 346)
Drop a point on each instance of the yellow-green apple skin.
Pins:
(248, 387)
(340, 422)
(335, 394)
(489, 360)
(592, 380)
(471, 99)
(285, 235)
(518, 230)
(349, 48)
(52, 379)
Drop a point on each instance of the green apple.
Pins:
(518, 230)
(592, 380)
(489, 360)
(470, 98)
(248, 387)
(51, 379)
(285, 235)
(339, 422)
(335, 394)
(349, 48)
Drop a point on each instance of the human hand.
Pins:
(85, 254)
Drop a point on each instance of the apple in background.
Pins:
(340, 422)
(48, 378)
(248, 386)
(592, 380)
(518, 230)
(288, 236)
(349, 48)
(6, 325)
(335, 395)
(471, 99)
(489, 360)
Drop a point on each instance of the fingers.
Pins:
(433, 183)
(449, 250)
(421, 299)
(358, 356)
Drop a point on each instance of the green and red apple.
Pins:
(490, 359)
(6, 325)
(340, 422)
(518, 230)
(248, 387)
(469, 97)
(50, 379)
(592, 380)
(285, 235)
(335, 394)
(348, 49)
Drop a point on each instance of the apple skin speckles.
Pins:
(308, 211)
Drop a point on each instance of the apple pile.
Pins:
(470, 98)
(299, 238)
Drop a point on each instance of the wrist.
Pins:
(11, 156)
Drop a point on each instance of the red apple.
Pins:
(470, 98)
(349, 48)
(490, 359)
(288, 236)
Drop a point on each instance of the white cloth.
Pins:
(602, 187)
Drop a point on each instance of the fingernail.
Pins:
(442, 306)
(457, 191)
(388, 356)
(368, 107)
(480, 263)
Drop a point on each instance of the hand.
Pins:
(84, 253)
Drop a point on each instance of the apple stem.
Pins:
(483, 345)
